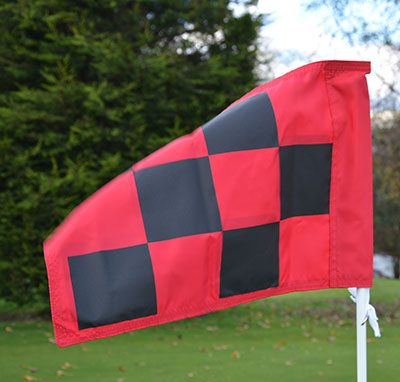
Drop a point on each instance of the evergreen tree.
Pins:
(89, 87)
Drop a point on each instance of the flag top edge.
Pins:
(329, 66)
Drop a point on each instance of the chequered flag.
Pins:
(271, 196)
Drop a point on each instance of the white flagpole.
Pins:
(362, 301)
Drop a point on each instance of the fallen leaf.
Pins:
(8, 329)
(121, 369)
(31, 369)
(235, 355)
(244, 327)
(66, 366)
(280, 345)
(264, 324)
(220, 347)
(29, 378)
(60, 373)
(212, 328)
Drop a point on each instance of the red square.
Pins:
(108, 219)
(189, 146)
(301, 107)
(247, 187)
(185, 272)
(304, 251)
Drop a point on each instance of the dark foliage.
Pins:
(89, 87)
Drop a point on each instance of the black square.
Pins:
(250, 259)
(249, 124)
(113, 286)
(178, 199)
(305, 179)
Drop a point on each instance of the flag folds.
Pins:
(273, 195)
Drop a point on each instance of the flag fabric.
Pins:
(273, 195)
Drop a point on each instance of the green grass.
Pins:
(308, 336)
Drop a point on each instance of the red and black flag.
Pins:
(273, 195)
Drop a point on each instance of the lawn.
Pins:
(308, 336)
